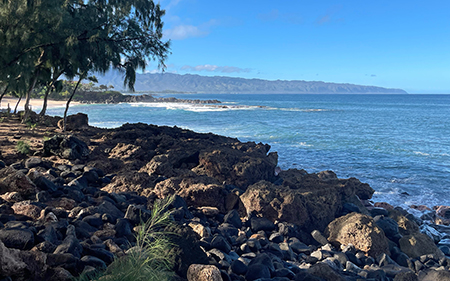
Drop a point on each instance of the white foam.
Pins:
(195, 107)
(421, 153)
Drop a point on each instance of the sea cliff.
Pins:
(74, 205)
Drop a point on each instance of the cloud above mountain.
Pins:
(215, 68)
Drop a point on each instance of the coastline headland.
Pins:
(74, 206)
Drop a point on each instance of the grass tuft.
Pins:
(23, 147)
(148, 260)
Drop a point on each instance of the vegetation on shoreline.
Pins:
(42, 41)
(149, 259)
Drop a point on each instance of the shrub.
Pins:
(148, 260)
(23, 147)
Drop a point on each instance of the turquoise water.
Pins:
(396, 143)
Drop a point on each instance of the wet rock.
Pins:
(360, 231)
(431, 232)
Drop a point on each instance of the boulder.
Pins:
(129, 181)
(324, 271)
(434, 275)
(201, 272)
(10, 262)
(197, 191)
(17, 238)
(78, 121)
(359, 230)
(241, 164)
(159, 165)
(186, 249)
(27, 209)
(418, 244)
(12, 180)
(67, 147)
(405, 225)
(127, 152)
(303, 199)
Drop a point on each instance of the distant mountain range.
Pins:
(169, 82)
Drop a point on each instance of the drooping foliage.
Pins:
(43, 40)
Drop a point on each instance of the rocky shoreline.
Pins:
(74, 206)
(116, 97)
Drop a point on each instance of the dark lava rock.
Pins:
(185, 249)
(94, 220)
(48, 234)
(70, 245)
(33, 162)
(94, 261)
(239, 267)
(123, 228)
(257, 271)
(137, 215)
(258, 224)
(232, 217)
(67, 147)
(18, 238)
(221, 243)
(377, 211)
(389, 226)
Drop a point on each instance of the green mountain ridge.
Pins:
(163, 82)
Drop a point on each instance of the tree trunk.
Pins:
(47, 92)
(3, 94)
(17, 104)
(27, 102)
(69, 100)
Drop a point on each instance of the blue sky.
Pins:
(394, 44)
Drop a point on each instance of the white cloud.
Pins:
(215, 68)
(181, 32)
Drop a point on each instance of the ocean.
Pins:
(399, 144)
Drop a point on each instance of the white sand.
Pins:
(36, 104)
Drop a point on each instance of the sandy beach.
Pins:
(36, 104)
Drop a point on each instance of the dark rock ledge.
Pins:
(74, 205)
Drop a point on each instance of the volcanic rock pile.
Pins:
(74, 206)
